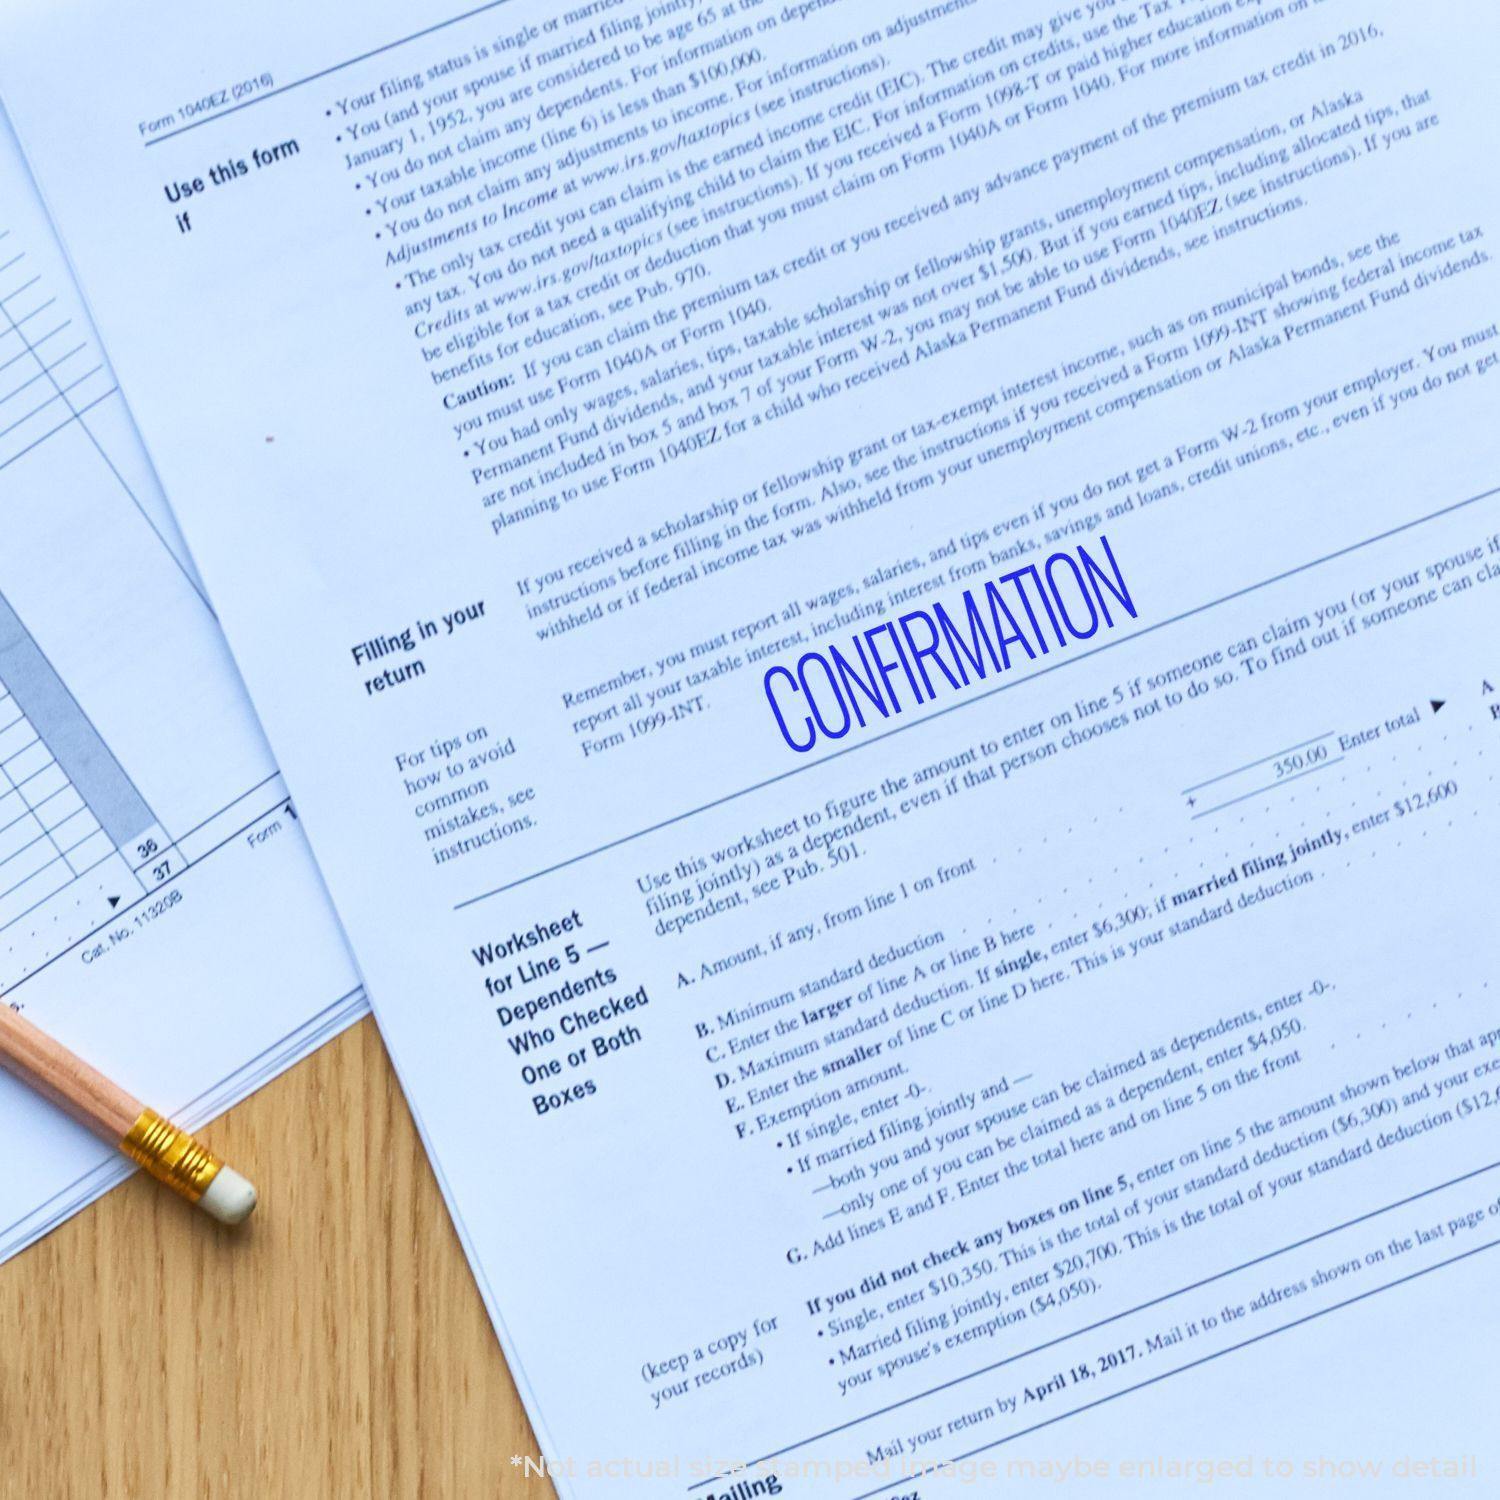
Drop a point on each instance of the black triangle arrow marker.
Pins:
(114, 901)
(1438, 704)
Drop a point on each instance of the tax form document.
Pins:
(883, 617)
(159, 910)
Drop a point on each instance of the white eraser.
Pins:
(229, 1198)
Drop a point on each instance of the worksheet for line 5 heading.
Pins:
(159, 910)
(884, 620)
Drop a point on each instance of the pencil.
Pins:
(169, 1154)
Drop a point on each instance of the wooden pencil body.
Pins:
(66, 1080)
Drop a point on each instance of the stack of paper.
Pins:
(158, 906)
(883, 618)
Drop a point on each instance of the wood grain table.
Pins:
(336, 1347)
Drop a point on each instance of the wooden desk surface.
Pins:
(336, 1347)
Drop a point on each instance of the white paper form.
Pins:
(619, 437)
(159, 910)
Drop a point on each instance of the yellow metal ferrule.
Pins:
(170, 1155)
